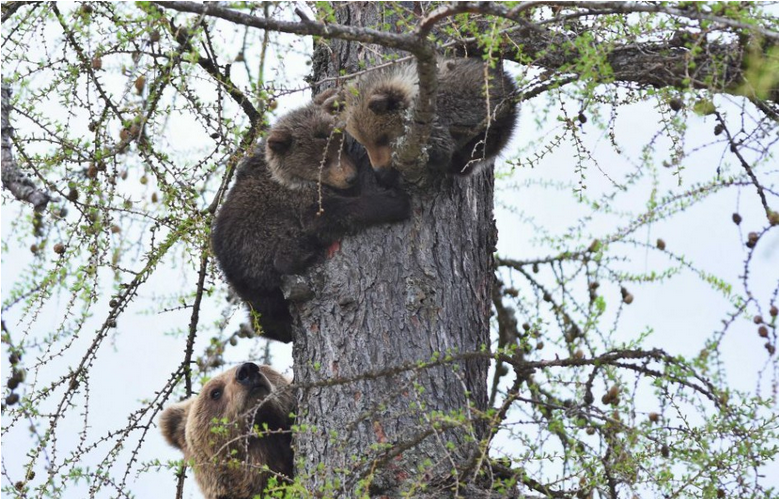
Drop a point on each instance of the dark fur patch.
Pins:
(279, 141)
(388, 101)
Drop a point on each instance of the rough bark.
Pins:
(716, 66)
(393, 295)
(14, 180)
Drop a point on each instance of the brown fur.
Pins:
(305, 147)
(266, 229)
(378, 106)
(252, 413)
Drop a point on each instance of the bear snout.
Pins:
(248, 374)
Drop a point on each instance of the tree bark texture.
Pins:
(14, 180)
(392, 296)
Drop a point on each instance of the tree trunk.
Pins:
(392, 296)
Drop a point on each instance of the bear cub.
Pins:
(239, 423)
(295, 196)
(475, 118)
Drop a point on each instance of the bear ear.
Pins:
(379, 103)
(331, 100)
(334, 105)
(173, 422)
(279, 141)
(327, 94)
(386, 102)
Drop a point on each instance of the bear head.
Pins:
(306, 147)
(376, 109)
(236, 432)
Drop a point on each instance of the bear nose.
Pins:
(351, 178)
(247, 374)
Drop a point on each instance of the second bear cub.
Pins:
(475, 118)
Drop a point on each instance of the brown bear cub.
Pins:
(304, 148)
(236, 432)
(475, 118)
(295, 196)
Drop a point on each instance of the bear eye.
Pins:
(322, 134)
(216, 394)
(382, 141)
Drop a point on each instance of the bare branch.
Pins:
(508, 334)
(183, 37)
(734, 147)
(409, 155)
(717, 65)
(602, 8)
(350, 33)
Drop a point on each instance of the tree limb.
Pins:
(183, 38)
(9, 8)
(342, 32)
(715, 65)
(734, 148)
(14, 180)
